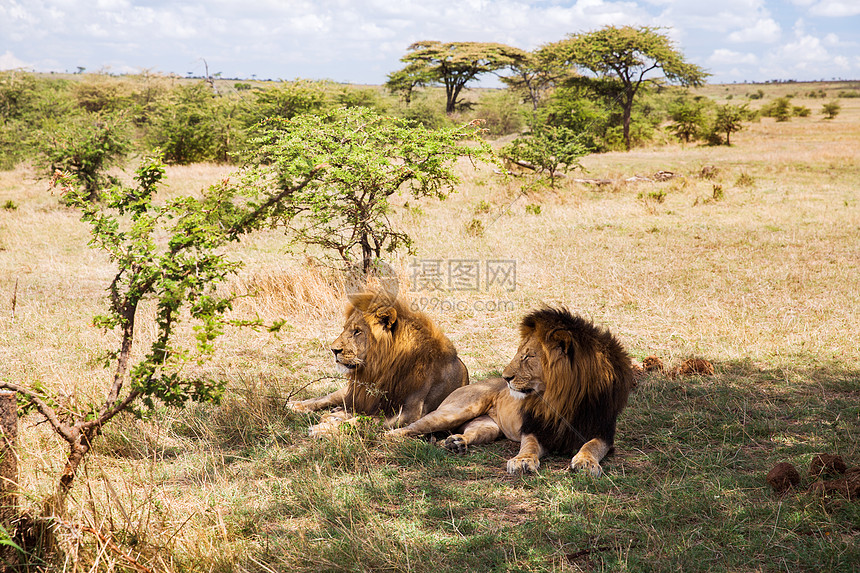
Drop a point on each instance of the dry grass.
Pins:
(765, 275)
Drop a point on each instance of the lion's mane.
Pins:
(588, 377)
(404, 350)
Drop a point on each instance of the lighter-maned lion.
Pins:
(562, 392)
(396, 362)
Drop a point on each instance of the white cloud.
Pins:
(363, 40)
(805, 49)
(8, 61)
(724, 56)
(835, 8)
(764, 30)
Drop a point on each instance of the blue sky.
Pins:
(361, 41)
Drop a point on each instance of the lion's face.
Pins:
(524, 374)
(350, 348)
(362, 333)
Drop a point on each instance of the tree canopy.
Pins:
(535, 74)
(350, 162)
(453, 64)
(626, 56)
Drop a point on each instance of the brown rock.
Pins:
(708, 172)
(826, 464)
(694, 366)
(783, 476)
(652, 363)
(847, 486)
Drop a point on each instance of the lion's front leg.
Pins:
(408, 413)
(528, 458)
(336, 398)
(588, 457)
(460, 407)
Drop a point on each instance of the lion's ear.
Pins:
(562, 339)
(386, 317)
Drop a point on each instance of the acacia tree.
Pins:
(85, 146)
(168, 253)
(624, 56)
(831, 109)
(403, 82)
(535, 75)
(729, 119)
(549, 150)
(361, 160)
(688, 118)
(453, 64)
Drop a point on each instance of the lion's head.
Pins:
(565, 369)
(391, 353)
(524, 374)
(368, 325)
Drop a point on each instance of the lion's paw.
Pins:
(331, 424)
(583, 461)
(528, 463)
(302, 406)
(398, 433)
(456, 444)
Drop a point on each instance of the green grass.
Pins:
(685, 490)
(764, 283)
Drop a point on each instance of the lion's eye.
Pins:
(357, 332)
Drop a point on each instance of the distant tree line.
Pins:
(608, 89)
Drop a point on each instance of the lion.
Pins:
(396, 362)
(562, 392)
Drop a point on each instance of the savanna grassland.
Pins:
(749, 257)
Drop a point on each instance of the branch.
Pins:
(70, 434)
(239, 228)
(110, 544)
(107, 415)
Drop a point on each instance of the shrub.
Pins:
(349, 96)
(831, 109)
(187, 125)
(728, 120)
(501, 112)
(745, 180)
(102, 94)
(85, 146)
(800, 111)
(342, 167)
(688, 119)
(569, 108)
(779, 109)
(549, 150)
(424, 112)
(27, 105)
(286, 100)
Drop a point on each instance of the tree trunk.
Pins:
(628, 110)
(366, 254)
(449, 104)
(8, 474)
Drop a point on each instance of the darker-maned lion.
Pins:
(396, 361)
(562, 392)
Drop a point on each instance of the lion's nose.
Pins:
(336, 351)
(507, 378)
